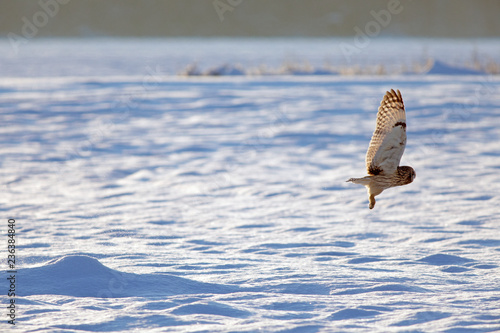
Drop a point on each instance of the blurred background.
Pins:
(319, 18)
(248, 37)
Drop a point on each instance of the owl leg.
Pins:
(372, 201)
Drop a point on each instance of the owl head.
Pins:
(407, 174)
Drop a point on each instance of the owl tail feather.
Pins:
(361, 181)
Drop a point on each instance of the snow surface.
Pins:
(220, 204)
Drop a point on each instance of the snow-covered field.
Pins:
(204, 204)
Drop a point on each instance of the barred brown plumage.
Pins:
(386, 148)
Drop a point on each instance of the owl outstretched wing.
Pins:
(389, 139)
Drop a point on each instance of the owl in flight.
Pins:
(386, 148)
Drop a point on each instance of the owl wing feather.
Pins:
(389, 139)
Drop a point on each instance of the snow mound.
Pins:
(84, 276)
(239, 70)
(226, 70)
(441, 259)
(440, 68)
(222, 70)
(431, 67)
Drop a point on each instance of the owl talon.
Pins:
(372, 201)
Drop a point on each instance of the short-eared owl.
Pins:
(386, 148)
